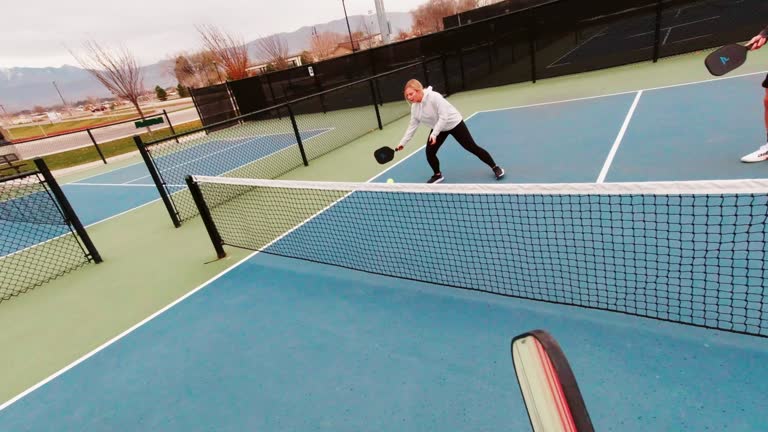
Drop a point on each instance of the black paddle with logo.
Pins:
(726, 58)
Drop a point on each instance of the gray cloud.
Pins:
(38, 33)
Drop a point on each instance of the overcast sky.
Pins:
(37, 33)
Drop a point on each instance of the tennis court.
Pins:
(107, 195)
(276, 343)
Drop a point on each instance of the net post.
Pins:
(93, 140)
(657, 32)
(298, 135)
(205, 214)
(375, 102)
(170, 125)
(158, 182)
(67, 209)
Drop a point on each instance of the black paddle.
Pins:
(726, 58)
(384, 154)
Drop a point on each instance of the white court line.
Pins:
(111, 184)
(236, 146)
(179, 300)
(623, 92)
(619, 137)
(164, 309)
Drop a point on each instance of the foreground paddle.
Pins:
(549, 388)
(726, 58)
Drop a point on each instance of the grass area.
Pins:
(112, 148)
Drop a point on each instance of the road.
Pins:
(80, 139)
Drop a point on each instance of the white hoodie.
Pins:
(433, 111)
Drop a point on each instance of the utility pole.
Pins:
(351, 42)
(62, 99)
(384, 28)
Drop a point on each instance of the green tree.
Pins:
(183, 92)
(161, 93)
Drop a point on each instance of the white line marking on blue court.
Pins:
(623, 92)
(156, 314)
(250, 140)
(619, 137)
(110, 184)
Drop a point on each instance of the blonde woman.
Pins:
(430, 108)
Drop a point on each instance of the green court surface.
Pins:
(148, 264)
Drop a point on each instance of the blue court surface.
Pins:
(689, 132)
(107, 195)
(282, 344)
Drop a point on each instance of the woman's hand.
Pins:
(432, 140)
(398, 148)
(757, 42)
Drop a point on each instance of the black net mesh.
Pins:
(687, 256)
(265, 144)
(38, 243)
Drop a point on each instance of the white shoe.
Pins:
(758, 155)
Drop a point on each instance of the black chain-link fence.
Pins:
(42, 238)
(268, 143)
(89, 143)
(543, 41)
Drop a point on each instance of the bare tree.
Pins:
(428, 17)
(274, 50)
(324, 44)
(184, 71)
(117, 70)
(230, 51)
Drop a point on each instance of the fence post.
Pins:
(66, 208)
(158, 182)
(298, 135)
(170, 125)
(461, 68)
(375, 102)
(205, 214)
(93, 140)
(426, 71)
(657, 32)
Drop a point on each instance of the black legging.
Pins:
(462, 135)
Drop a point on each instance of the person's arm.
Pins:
(412, 126)
(441, 106)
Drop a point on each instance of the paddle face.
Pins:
(726, 59)
(384, 154)
(548, 386)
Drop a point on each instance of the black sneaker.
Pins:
(499, 171)
(437, 178)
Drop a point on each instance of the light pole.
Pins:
(351, 42)
(66, 107)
